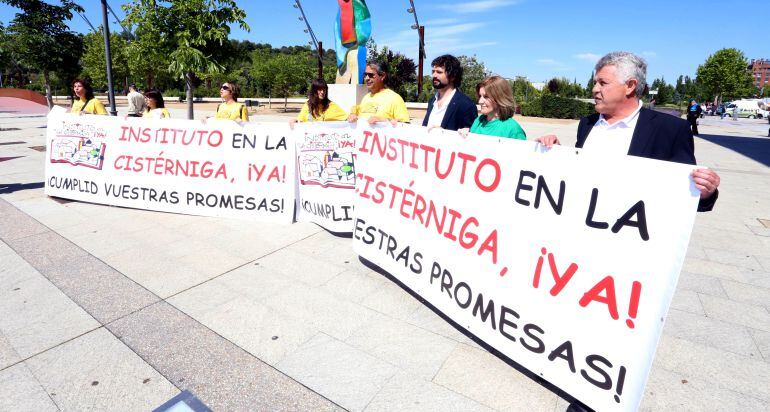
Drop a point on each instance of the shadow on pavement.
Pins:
(755, 148)
(15, 187)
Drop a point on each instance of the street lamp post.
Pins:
(421, 35)
(313, 40)
(108, 58)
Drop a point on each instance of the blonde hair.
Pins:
(499, 90)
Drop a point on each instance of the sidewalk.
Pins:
(105, 308)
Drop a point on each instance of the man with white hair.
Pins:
(623, 126)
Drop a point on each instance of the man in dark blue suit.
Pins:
(449, 108)
(623, 126)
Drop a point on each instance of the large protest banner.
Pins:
(326, 176)
(215, 169)
(564, 262)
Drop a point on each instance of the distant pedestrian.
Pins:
(135, 102)
(693, 114)
(86, 102)
(156, 108)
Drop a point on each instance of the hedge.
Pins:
(556, 107)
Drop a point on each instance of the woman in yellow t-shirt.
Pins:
(318, 107)
(230, 108)
(156, 109)
(86, 102)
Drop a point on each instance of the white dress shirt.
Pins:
(438, 112)
(611, 139)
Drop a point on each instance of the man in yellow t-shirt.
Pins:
(381, 103)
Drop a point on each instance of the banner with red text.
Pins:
(564, 262)
(326, 175)
(215, 169)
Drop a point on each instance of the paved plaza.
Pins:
(108, 308)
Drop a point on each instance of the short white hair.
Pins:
(628, 66)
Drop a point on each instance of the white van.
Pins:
(745, 108)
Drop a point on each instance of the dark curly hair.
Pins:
(454, 71)
(87, 86)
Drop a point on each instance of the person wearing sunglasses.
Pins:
(318, 107)
(230, 108)
(156, 108)
(381, 103)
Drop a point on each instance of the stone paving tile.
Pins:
(406, 392)
(103, 292)
(161, 275)
(486, 379)
(716, 238)
(687, 301)
(700, 283)
(415, 350)
(338, 371)
(740, 259)
(757, 278)
(20, 391)
(719, 270)
(8, 355)
(302, 267)
(765, 262)
(425, 318)
(354, 285)
(717, 368)
(254, 281)
(335, 317)
(98, 372)
(750, 294)
(265, 333)
(47, 249)
(41, 317)
(16, 224)
(222, 375)
(762, 339)
(710, 332)
(755, 317)
(671, 391)
(393, 301)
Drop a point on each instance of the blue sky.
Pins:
(537, 39)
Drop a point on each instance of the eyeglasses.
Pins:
(225, 87)
(369, 75)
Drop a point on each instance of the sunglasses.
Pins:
(224, 87)
(369, 75)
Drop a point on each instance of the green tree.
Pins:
(725, 75)
(402, 77)
(666, 91)
(192, 32)
(288, 74)
(41, 39)
(588, 92)
(94, 63)
(474, 72)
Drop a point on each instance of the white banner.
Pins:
(326, 175)
(564, 263)
(215, 169)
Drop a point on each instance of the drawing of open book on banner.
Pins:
(327, 159)
(78, 151)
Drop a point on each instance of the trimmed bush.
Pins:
(556, 107)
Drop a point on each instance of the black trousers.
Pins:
(693, 124)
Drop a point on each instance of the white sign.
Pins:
(215, 169)
(564, 263)
(326, 175)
